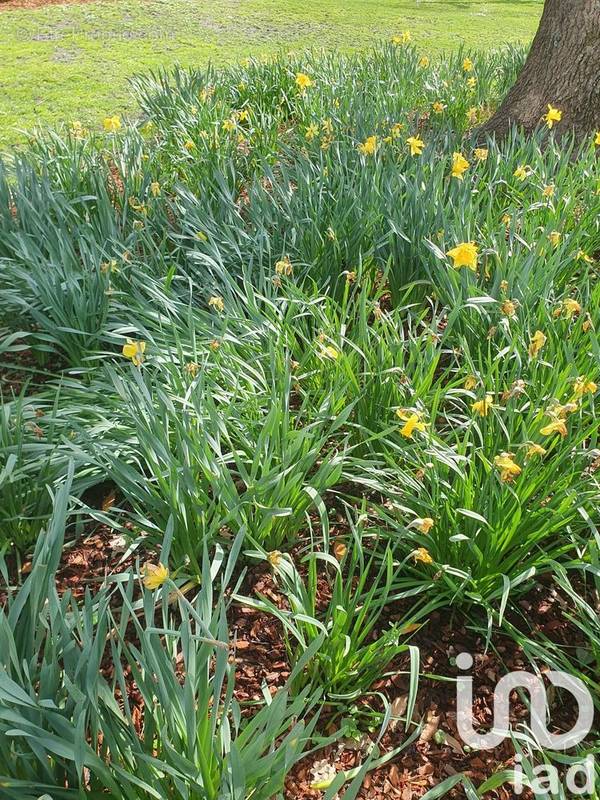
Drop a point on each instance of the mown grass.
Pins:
(72, 62)
(297, 315)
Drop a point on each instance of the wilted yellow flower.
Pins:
(583, 256)
(311, 132)
(556, 426)
(112, 124)
(556, 411)
(538, 340)
(369, 146)
(471, 83)
(536, 450)
(423, 556)
(472, 115)
(483, 407)
(470, 382)
(154, 575)
(424, 524)
(583, 386)
(504, 286)
(516, 390)
(330, 352)
(549, 190)
(481, 153)
(189, 145)
(553, 115)
(77, 130)
(438, 107)
(274, 558)
(339, 550)
(468, 65)
(351, 276)
(464, 255)
(284, 267)
(571, 307)
(424, 62)
(509, 308)
(459, 165)
(217, 303)
(587, 324)
(303, 82)
(192, 368)
(416, 145)
(155, 188)
(555, 237)
(523, 171)
(135, 351)
(508, 468)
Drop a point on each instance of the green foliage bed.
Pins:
(252, 321)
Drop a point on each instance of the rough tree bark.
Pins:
(562, 68)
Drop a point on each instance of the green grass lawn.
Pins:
(71, 62)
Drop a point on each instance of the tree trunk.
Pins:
(562, 69)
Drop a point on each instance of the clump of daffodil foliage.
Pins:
(300, 313)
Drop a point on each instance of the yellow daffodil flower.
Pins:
(509, 308)
(416, 145)
(311, 132)
(135, 351)
(507, 466)
(553, 115)
(583, 386)
(571, 307)
(330, 352)
(284, 267)
(555, 237)
(522, 172)
(112, 124)
(154, 575)
(483, 407)
(538, 340)
(424, 62)
(459, 165)
(303, 81)
(438, 107)
(424, 524)
(423, 556)
(470, 382)
(534, 450)
(464, 255)
(216, 303)
(556, 426)
(369, 146)
(412, 424)
(481, 153)
(468, 65)
(404, 38)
